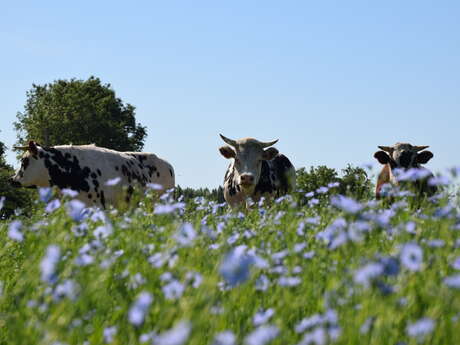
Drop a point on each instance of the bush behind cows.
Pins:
(168, 272)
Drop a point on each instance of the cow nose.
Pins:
(247, 179)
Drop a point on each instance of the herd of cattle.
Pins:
(257, 169)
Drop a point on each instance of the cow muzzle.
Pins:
(247, 180)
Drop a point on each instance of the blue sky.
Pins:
(331, 80)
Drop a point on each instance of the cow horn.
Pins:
(420, 148)
(268, 143)
(388, 149)
(21, 148)
(228, 141)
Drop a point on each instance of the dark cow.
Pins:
(256, 170)
(404, 156)
(87, 168)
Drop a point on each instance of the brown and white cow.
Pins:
(87, 168)
(256, 170)
(404, 157)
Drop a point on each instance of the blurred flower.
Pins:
(420, 328)
(289, 281)
(318, 337)
(322, 190)
(168, 208)
(45, 193)
(412, 174)
(48, 264)
(456, 263)
(114, 181)
(224, 338)
(262, 316)
(235, 266)
(103, 231)
(52, 205)
(2, 202)
(75, 209)
(439, 181)
(346, 204)
(14, 231)
(69, 192)
(411, 256)
(176, 336)
(367, 325)
(68, 288)
(453, 281)
(139, 308)
(262, 283)
(109, 334)
(367, 273)
(262, 335)
(173, 290)
(308, 323)
(154, 186)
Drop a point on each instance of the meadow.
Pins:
(331, 270)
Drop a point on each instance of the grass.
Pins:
(133, 251)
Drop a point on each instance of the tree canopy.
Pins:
(79, 112)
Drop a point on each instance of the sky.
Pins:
(330, 79)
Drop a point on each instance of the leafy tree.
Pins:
(323, 182)
(79, 112)
(15, 198)
(215, 194)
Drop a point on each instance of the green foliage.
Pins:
(215, 194)
(19, 199)
(79, 112)
(142, 253)
(354, 183)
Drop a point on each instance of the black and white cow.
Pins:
(87, 168)
(256, 170)
(404, 156)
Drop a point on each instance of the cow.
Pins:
(256, 170)
(404, 156)
(87, 169)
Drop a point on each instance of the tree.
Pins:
(79, 112)
(15, 198)
(324, 182)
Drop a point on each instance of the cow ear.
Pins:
(227, 152)
(269, 154)
(382, 157)
(33, 148)
(424, 157)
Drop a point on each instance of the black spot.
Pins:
(129, 193)
(102, 199)
(93, 175)
(170, 172)
(89, 196)
(117, 168)
(158, 174)
(99, 172)
(66, 172)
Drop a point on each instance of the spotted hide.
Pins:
(256, 170)
(87, 168)
(402, 157)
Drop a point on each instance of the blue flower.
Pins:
(236, 265)
(420, 328)
(139, 309)
(175, 336)
(45, 194)
(49, 263)
(14, 231)
(346, 204)
(411, 256)
(262, 335)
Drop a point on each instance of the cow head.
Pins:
(403, 155)
(248, 154)
(32, 171)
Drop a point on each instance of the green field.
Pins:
(197, 273)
